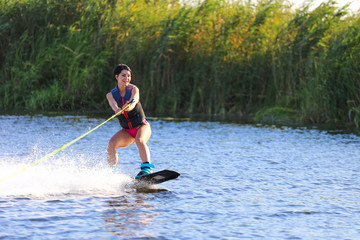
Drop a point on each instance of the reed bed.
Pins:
(215, 57)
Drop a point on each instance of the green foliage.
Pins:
(277, 113)
(214, 57)
(55, 55)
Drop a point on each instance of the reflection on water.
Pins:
(128, 216)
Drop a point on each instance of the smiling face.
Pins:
(123, 78)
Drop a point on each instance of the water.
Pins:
(237, 182)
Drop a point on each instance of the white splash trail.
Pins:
(59, 180)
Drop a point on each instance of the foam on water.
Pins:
(60, 178)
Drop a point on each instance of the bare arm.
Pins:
(112, 102)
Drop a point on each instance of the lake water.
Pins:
(238, 181)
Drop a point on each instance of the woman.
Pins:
(135, 128)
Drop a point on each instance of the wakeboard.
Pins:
(158, 177)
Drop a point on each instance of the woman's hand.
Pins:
(119, 110)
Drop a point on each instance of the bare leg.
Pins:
(120, 139)
(141, 139)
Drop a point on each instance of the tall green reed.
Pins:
(213, 57)
(57, 59)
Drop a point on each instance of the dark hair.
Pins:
(119, 68)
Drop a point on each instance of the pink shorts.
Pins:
(133, 131)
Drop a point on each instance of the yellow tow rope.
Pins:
(62, 148)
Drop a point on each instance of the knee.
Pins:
(140, 141)
(111, 145)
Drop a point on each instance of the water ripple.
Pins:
(237, 181)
